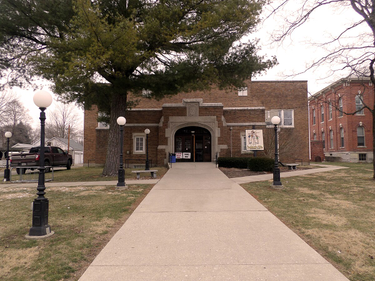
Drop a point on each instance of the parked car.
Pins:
(53, 157)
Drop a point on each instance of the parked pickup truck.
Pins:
(53, 157)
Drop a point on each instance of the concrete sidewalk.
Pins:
(320, 169)
(196, 224)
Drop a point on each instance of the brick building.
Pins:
(340, 128)
(202, 125)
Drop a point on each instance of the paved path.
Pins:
(319, 169)
(196, 224)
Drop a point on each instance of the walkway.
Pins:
(196, 224)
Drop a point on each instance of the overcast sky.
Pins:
(294, 55)
(299, 50)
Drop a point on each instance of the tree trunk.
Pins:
(112, 162)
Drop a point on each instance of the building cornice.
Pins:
(244, 108)
(338, 83)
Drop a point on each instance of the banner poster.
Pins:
(178, 155)
(254, 140)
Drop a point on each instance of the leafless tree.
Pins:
(351, 49)
(14, 117)
(6, 98)
(63, 121)
(15, 112)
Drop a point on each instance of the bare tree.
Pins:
(13, 118)
(64, 122)
(351, 49)
(15, 112)
(6, 98)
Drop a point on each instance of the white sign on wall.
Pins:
(186, 155)
(254, 140)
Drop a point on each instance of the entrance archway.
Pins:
(193, 144)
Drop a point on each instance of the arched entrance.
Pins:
(193, 144)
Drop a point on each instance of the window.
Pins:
(314, 136)
(242, 92)
(146, 93)
(286, 117)
(322, 113)
(342, 144)
(360, 136)
(324, 140)
(362, 157)
(330, 139)
(341, 108)
(139, 144)
(103, 120)
(359, 105)
(330, 111)
(243, 142)
(314, 117)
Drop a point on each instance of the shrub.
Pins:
(258, 164)
(233, 162)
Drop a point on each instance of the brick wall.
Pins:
(262, 96)
(348, 122)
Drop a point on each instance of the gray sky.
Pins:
(294, 54)
(299, 50)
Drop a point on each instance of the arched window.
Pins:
(359, 105)
(341, 107)
(330, 139)
(330, 111)
(360, 136)
(314, 117)
(342, 143)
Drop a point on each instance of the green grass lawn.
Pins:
(83, 219)
(82, 174)
(334, 212)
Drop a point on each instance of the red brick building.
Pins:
(202, 125)
(340, 128)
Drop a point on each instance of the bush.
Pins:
(258, 164)
(233, 162)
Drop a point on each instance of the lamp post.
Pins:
(8, 135)
(121, 172)
(276, 171)
(193, 133)
(147, 132)
(40, 227)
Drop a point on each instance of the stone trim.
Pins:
(243, 108)
(246, 124)
(207, 122)
(142, 125)
(145, 109)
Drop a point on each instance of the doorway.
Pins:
(193, 144)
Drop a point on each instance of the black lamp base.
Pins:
(40, 227)
(121, 177)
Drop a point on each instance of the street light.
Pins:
(276, 171)
(193, 133)
(147, 132)
(40, 227)
(121, 172)
(8, 135)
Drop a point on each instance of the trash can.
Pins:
(172, 158)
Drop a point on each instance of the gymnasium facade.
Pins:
(201, 126)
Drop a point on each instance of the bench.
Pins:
(292, 166)
(153, 173)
